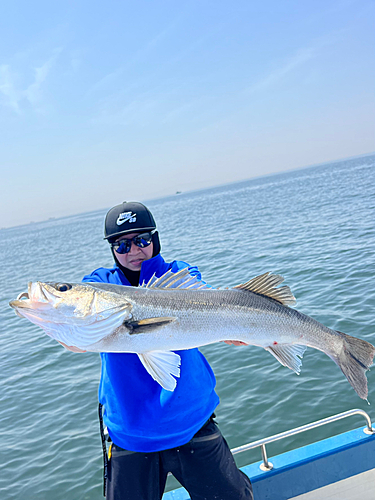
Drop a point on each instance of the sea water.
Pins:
(314, 226)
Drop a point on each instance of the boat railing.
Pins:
(267, 466)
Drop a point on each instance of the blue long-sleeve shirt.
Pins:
(139, 413)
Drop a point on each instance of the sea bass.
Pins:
(178, 311)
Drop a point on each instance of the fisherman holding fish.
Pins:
(157, 396)
(152, 430)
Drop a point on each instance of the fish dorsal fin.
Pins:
(266, 284)
(182, 279)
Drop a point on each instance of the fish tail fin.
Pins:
(354, 359)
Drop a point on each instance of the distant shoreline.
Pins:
(157, 198)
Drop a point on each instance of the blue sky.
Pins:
(102, 102)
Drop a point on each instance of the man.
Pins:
(155, 431)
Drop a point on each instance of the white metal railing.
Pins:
(266, 465)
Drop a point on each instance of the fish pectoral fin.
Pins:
(148, 324)
(288, 355)
(162, 365)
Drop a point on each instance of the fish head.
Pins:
(76, 314)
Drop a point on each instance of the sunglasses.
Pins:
(141, 240)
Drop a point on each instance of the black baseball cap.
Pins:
(128, 217)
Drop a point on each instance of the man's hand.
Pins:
(234, 342)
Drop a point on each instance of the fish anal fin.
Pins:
(163, 366)
(266, 284)
(148, 325)
(288, 355)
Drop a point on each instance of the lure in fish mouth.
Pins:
(178, 311)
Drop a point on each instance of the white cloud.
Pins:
(33, 91)
(301, 57)
(13, 97)
(10, 95)
(105, 83)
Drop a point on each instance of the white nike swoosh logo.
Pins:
(120, 221)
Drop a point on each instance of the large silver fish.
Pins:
(177, 311)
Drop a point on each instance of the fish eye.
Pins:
(63, 287)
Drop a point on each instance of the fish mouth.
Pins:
(27, 300)
(22, 301)
(34, 303)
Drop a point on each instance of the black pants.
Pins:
(204, 466)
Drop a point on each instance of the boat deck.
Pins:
(338, 468)
(358, 487)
